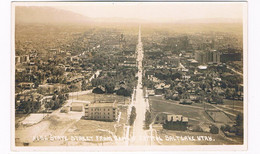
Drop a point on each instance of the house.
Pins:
(26, 85)
(75, 79)
(172, 121)
(160, 88)
(185, 101)
(177, 80)
(107, 111)
(159, 91)
(176, 122)
(165, 87)
(195, 98)
(192, 62)
(150, 92)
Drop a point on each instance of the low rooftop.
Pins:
(108, 104)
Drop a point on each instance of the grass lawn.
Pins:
(159, 105)
(196, 115)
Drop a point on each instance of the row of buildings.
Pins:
(216, 57)
(210, 56)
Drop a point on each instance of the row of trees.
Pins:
(30, 106)
(132, 116)
(148, 119)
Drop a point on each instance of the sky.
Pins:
(170, 11)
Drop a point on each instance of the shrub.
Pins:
(214, 129)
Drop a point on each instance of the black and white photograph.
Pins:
(126, 75)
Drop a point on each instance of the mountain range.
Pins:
(50, 15)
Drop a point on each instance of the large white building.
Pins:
(101, 111)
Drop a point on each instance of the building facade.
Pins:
(163, 118)
(213, 56)
(200, 56)
(210, 56)
(101, 111)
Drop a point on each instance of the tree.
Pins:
(239, 120)
(74, 87)
(168, 94)
(26, 105)
(54, 97)
(225, 128)
(124, 91)
(56, 105)
(228, 93)
(110, 88)
(98, 90)
(36, 84)
(83, 85)
(132, 116)
(66, 96)
(176, 75)
(49, 105)
(213, 129)
(148, 118)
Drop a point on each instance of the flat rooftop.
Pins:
(108, 104)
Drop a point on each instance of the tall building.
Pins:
(201, 57)
(213, 56)
(210, 56)
(216, 57)
(101, 111)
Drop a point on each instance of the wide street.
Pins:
(139, 135)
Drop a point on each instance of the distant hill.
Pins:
(46, 15)
(50, 15)
(211, 20)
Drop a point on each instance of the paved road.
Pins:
(139, 135)
(239, 73)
